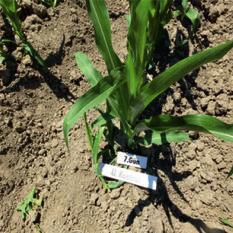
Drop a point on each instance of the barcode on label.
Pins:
(137, 178)
(131, 160)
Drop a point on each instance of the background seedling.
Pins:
(127, 91)
(185, 10)
(29, 203)
(9, 8)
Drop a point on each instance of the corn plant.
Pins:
(127, 91)
(10, 8)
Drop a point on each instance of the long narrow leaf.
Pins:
(162, 82)
(137, 45)
(202, 123)
(95, 96)
(154, 137)
(99, 16)
(85, 65)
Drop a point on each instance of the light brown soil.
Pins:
(193, 193)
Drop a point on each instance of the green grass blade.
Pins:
(99, 16)
(95, 96)
(85, 65)
(201, 123)
(154, 137)
(173, 74)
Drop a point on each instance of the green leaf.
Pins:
(128, 19)
(202, 123)
(173, 74)
(230, 172)
(85, 65)
(89, 131)
(95, 155)
(226, 222)
(34, 54)
(185, 5)
(99, 16)
(164, 6)
(114, 184)
(102, 120)
(95, 148)
(137, 38)
(6, 41)
(193, 16)
(154, 137)
(92, 98)
(9, 8)
(51, 3)
(29, 203)
(2, 57)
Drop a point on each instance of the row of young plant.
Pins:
(126, 91)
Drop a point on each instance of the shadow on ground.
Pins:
(56, 85)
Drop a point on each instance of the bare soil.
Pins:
(193, 192)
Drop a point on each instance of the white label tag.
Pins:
(131, 159)
(137, 178)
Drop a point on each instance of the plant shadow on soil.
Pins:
(161, 196)
(56, 85)
(180, 51)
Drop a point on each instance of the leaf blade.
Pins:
(158, 138)
(137, 45)
(199, 122)
(176, 72)
(95, 96)
(99, 16)
(86, 66)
